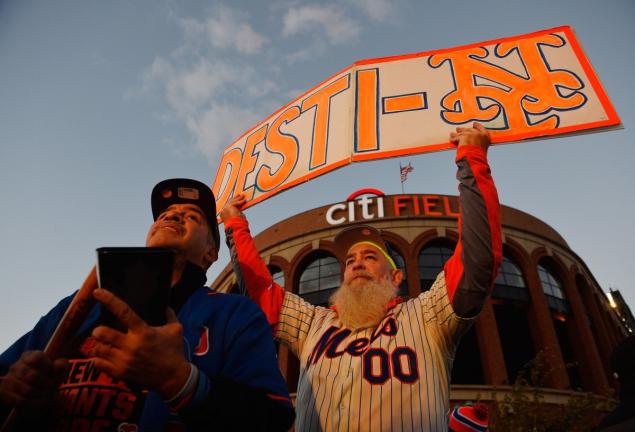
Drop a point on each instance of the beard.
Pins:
(362, 302)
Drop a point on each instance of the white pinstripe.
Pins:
(333, 395)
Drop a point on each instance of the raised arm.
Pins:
(289, 315)
(252, 275)
(470, 272)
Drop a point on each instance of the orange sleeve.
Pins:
(251, 272)
(471, 271)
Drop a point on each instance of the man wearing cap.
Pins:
(372, 361)
(213, 357)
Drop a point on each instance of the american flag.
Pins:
(404, 170)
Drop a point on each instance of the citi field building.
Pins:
(545, 297)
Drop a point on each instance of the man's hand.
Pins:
(233, 207)
(30, 384)
(148, 356)
(476, 135)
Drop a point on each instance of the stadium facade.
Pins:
(545, 298)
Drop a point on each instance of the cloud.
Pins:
(315, 49)
(218, 126)
(215, 82)
(329, 19)
(376, 10)
(199, 93)
(217, 95)
(225, 28)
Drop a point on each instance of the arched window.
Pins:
(431, 261)
(276, 274)
(401, 265)
(319, 279)
(553, 289)
(514, 331)
(510, 282)
(467, 367)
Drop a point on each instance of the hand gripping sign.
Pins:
(519, 87)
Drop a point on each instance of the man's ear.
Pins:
(211, 255)
(396, 277)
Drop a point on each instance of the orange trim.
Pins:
(278, 397)
(394, 302)
(593, 79)
(460, 47)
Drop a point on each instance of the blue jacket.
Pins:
(236, 353)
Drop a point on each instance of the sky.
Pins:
(101, 100)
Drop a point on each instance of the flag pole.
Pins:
(400, 168)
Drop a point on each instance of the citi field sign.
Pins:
(367, 204)
(519, 87)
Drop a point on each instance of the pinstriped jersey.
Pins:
(395, 376)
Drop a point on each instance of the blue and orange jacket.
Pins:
(227, 338)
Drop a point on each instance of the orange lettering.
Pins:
(485, 91)
(228, 167)
(85, 401)
(124, 405)
(283, 144)
(321, 100)
(248, 162)
(106, 395)
(366, 125)
(70, 396)
(398, 204)
(448, 209)
(430, 201)
(410, 102)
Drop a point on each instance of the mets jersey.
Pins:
(395, 376)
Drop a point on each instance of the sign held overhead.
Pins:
(520, 87)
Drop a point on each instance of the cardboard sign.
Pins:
(520, 87)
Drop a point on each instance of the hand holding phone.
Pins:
(141, 277)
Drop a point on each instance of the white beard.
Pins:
(362, 303)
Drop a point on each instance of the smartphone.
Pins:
(141, 277)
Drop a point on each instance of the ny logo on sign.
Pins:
(521, 100)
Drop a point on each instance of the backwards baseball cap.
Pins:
(186, 191)
(469, 418)
(349, 237)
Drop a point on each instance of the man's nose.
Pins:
(358, 264)
(174, 216)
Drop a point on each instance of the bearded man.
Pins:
(372, 360)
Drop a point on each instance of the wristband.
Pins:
(187, 388)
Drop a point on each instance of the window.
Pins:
(566, 348)
(510, 282)
(276, 274)
(553, 289)
(431, 261)
(319, 279)
(401, 265)
(467, 367)
(514, 331)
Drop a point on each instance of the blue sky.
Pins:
(101, 100)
